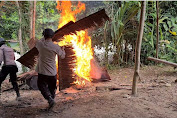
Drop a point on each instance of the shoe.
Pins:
(18, 94)
(51, 103)
(18, 98)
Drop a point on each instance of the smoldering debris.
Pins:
(98, 74)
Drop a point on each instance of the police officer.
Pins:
(9, 66)
(46, 66)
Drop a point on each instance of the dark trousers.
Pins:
(12, 70)
(47, 85)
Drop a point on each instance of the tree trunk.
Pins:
(20, 28)
(138, 47)
(106, 45)
(32, 41)
(157, 28)
(126, 52)
(34, 18)
(31, 19)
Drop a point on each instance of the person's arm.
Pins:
(61, 52)
(37, 44)
(1, 56)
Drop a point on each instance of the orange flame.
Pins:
(80, 41)
(67, 13)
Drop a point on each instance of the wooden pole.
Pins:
(138, 48)
(162, 61)
(157, 28)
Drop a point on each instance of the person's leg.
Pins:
(13, 79)
(43, 86)
(3, 75)
(51, 82)
(52, 85)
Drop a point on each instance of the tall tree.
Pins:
(31, 19)
(138, 47)
(20, 28)
(32, 16)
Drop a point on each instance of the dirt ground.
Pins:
(157, 98)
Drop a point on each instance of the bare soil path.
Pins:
(157, 98)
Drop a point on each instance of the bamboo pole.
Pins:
(157, 28)
(138, 48)
(162, 61)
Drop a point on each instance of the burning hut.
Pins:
(78, 66)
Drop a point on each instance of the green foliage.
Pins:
(122, 29)
(124, 25)
(168, 7)
(121, 21)
(47, 16)
(167, 41)
(25, 24)
(8, 21)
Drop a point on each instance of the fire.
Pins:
(67, 13)
(80, 41)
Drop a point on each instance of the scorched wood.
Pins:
(65, 68)
(93, 20)
(29, 59)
